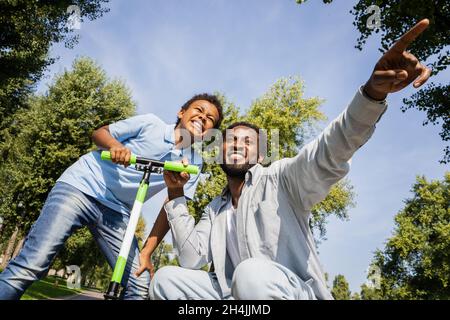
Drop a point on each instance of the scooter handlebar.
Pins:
(106, 155)
(167, 165)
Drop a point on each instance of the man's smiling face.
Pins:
(240, 150)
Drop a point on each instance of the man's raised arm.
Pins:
(308, 177)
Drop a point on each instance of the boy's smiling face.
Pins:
(201, 116)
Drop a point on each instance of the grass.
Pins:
(46, 289)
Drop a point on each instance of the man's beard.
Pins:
(236, 170)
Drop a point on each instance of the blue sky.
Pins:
(166, 51)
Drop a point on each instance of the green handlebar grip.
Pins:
(106, 155)
(179, 167)
(168, 165)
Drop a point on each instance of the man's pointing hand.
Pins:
(397, 68)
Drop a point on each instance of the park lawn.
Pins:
(46, 289)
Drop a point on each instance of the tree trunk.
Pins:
(92, 279)
(9, 248)
(85, 278)
(18, 247)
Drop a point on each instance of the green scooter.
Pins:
(147, 166)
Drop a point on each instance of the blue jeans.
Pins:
(66, 210)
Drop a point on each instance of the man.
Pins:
(256, 233)
(100, 194)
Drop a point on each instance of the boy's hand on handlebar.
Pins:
(120, 155)
(176, 180)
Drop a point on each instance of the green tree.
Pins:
(396, 17)
(53, 133)
(415, 263)
(371, 289)
(140, 231)
(285, 109)
(81, 250)
(370, 293)
(356, 296)
(28, 29)
(164, 256)
(340, 290)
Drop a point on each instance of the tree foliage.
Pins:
(435, 101)
(356, 296)
(53, 133)
(396, 17)
(27, 30)
(82, 250)
(415, 263)
(340, 290)
(164, 256)
(370, 293)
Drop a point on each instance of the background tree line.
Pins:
(415, 262)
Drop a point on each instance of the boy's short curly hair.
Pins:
(211, 98)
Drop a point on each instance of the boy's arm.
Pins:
(159, 231)
(111, 137)
(191, 241)
(119, 153)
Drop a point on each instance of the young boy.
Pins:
(100, 194)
